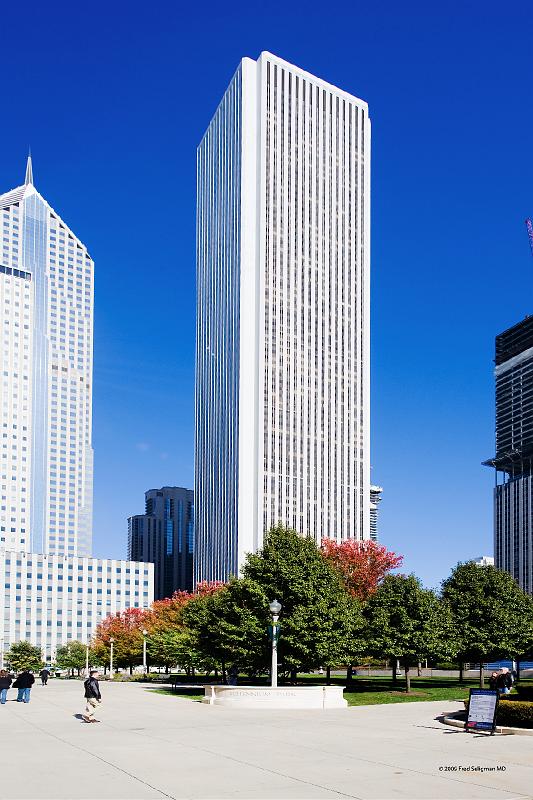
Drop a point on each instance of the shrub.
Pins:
(525, 692)
(515, 713)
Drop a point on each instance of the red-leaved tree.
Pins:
(362, 564)
(125, 627)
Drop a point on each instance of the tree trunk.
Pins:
(419, 668)
(461, 671)
(481, 675)
(407, 679)
(131, 669)
(394, 671)
(328, 675)
(294, 675)
(517, 670)
(349, 674)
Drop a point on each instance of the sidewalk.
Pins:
(159, 746)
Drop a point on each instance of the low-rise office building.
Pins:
(50, 600)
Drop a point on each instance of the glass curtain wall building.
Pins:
(46, 294)
(513, 492)
(164, 536)
(283, 287)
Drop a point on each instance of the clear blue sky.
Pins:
(113, 98)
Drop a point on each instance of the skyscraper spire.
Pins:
(28, 180)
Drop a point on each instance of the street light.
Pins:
(275, 608)
(111, 640)
(87, 660)
(145, 633)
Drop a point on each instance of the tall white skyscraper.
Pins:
(46, 345)
(282, 358)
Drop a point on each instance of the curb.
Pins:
(455, 721)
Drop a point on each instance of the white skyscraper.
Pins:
(282, 359)
(51, 590)
(46, 296)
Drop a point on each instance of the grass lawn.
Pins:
(371, 690)
(378, 690)
(189, 693)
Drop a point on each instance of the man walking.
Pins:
(92, 696)
(23, 683)
(45, 674)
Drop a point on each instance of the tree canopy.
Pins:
(24, 656)
(493, 616)
(71, 656)
(321, 624)
(408, 622)
(362, 564)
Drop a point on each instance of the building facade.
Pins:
(283, 287)
(376, 493)
(46, 296)
(52, 600)
(513, 492)
(164, 536)
(51, 589)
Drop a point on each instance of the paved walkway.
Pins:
(152, 746)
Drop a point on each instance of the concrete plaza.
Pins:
(152, 746)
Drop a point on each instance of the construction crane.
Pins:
(529, 226)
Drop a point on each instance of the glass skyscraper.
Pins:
(46, 296)
(513, 462)
(283, 287)
(164, 536)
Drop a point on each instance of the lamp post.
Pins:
(111, 641)
(275, 608)
(145, 633)
(1, 654)
(87, 660)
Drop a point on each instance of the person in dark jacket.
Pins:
(505, 681)
(92, 696)
(45, 674)
(493, 681)
(5, 683)
(23, 683)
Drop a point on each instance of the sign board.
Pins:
(482, 708)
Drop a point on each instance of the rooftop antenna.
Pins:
(28, 180)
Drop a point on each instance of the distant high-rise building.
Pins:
(51, 590)
(282, 348)
(375, 499)
(46, 296)
(484, 561)
(164, 535)
(513, 493)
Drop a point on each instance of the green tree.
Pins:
(321, 624)
(230, 626)
(493, 616)
(71, 656)
(22, 656)
(409, 623)
(175, 646)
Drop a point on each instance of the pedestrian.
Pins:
(505, 681)
(92, 696)
(493, 681)
(45, 674)
(5, 683)
(23, 683)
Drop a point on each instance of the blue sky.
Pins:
(114, 97)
